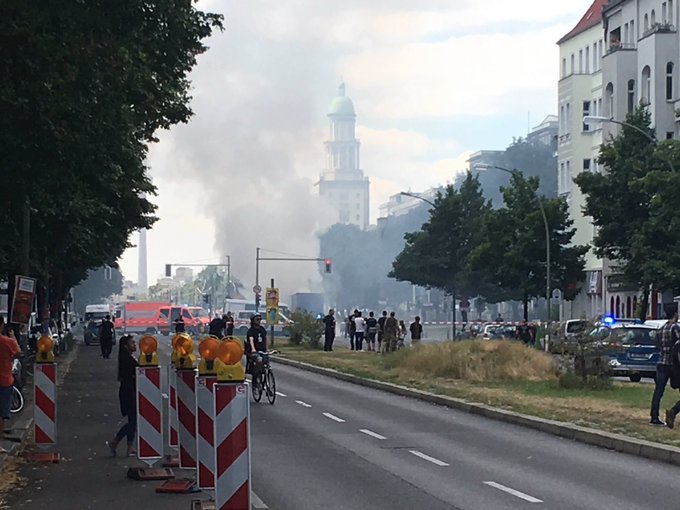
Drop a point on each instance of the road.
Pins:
(334, 445)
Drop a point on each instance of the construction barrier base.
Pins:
(144, 474)
(200, 504)
(45, 457)
(181, 486)
(171, 461)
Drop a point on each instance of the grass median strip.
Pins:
(506, 375)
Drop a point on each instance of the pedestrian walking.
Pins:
(9, 349)
(371, 330)
(359, 330)
(391, 332)
(351, 325)
(228, 324)
(179, 325)
(329, 330)
(669, 334)
(107, 335)
(127, 394)
(381, 329)
(416, 329)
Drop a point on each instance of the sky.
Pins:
(431, 80)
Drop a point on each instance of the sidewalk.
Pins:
(87, 476)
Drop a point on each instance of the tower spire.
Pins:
(341, 89)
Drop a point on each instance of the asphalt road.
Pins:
(334, 445)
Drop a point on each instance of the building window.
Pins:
(669, 135)
(599, 106)
(646, 18)
(563, 120)
(625, 33)
(631, 95)
(586, 165)
(573, 63)
(560, 179)
(653, 18)
(609, 94)
(646, 85)
(580, 61)
(568, 118)
(664, 14)
(587, 59)
(586, 112)
(633, 37)
(669, 81)
(567, 176)
(564, 67)
(358, 217)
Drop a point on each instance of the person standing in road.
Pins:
(416, 329)
(228, 324)
(359, 330)
(127, 394)
(391, 332)
(107, 335)
(9, 349)
(371, 331)
(329, 330)
(179, 325)
(216, 327)
(668, 334)
(381, 329)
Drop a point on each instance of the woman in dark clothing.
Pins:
(127, 365)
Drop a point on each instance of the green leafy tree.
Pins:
(634, 206)
(513, 254)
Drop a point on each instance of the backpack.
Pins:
(675, 366)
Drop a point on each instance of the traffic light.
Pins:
(206, 299)
(168, 269)
(257, 302)
(328, 265)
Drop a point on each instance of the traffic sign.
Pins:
(272, 298)
(257, 289)
(557, 294)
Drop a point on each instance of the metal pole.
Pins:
(453, 309)
(257, 276)
(547, 272)
(271, 327)
(228, 275)
(26, 238)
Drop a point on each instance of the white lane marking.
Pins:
(281, 394)
(428, 458)
(372, 434)
(303, 404)
(515, 493)
(257, 502)
(333, 417)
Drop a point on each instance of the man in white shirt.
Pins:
(359, 329)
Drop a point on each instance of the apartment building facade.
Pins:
(580, 93)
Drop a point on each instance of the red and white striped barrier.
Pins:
(45, 409)
(232, 446)
(186, 414)
(149, 414)
(173, 421)
(205, 440)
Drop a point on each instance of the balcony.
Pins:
(659, 28)
(619, 46)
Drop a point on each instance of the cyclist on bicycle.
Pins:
(256, 340)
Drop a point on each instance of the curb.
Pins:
(616, 442)
(24, 425)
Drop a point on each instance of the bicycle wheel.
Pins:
(270, 386)
(17, 403)
(258, 384)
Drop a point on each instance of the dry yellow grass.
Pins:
(476, 361)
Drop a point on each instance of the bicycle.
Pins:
(263, 378)
(17, 402)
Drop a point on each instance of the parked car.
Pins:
(633, 349)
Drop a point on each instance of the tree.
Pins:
(99, 286)
(439, 254)
(513, 253)
(634, 206)
(83, 88)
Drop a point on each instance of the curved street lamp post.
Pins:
(453, 294)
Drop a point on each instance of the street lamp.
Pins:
(484, 166)
(453, 294)
(591, 120)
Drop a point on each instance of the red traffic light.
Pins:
(328, 265)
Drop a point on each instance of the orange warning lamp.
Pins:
(45, 345)
(148, 345)
(183, 349)
(228, 364)
(208, 351)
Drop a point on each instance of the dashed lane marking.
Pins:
(333, 417)
(514, 492)
(428, 458)
(281, 394)
(372, 434)
(303, 404)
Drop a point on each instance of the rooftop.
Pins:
(591, 18)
